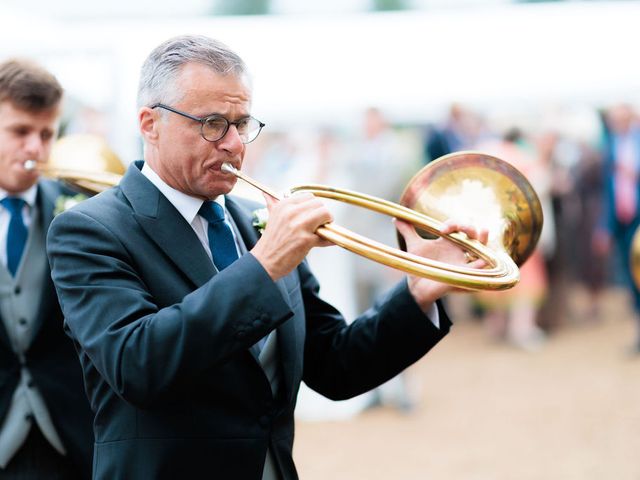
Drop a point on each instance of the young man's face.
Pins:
(24, 135)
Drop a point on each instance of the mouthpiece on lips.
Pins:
(228, 168)
(30, 165)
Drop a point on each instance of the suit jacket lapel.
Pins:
(287, 339)
(48, 193)
(4, 337)
(242, 217)
(166, 227)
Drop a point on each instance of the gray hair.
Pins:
(163, 65)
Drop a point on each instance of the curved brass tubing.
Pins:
(502, 271)
(514, 230)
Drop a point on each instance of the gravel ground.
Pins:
(487, 411)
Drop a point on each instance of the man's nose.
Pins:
(231, 141)
(34, 146)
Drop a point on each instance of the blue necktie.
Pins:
(17, 234)
(221, 243)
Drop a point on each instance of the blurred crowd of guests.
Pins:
(588, 185)
(583, 165)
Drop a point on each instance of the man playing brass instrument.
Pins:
(45, 420)
(194, 332)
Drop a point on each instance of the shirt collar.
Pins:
(29, 195)
(186, 205)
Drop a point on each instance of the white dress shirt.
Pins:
(188, 207)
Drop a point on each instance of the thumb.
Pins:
(270, 201)
(407, 231)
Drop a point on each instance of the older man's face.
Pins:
(24, 136)
(179, 154)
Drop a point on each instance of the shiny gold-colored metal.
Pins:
(84, 162)
(470, 187)
(482, 190)
(516, 227)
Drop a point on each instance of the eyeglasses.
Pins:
(214, 127)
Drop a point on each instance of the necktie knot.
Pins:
(212, 212)
(13, 204)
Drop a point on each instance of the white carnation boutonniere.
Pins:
(260, 218)
(65, 202)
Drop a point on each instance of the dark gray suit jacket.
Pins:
(165, 341)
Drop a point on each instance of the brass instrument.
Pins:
(84, 161)
(470, 187)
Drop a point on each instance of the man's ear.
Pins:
(148, 119)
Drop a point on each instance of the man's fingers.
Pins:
(407, 231)
(270, 201)
(483, 235)
(478, 263)
(480, 234)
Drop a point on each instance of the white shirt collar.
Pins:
(29, 195)
(187, 205)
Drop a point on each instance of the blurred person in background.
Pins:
(460, 130)
(194, 326)
(621, 211)
(589, 259)
(513, 314)
(45, 420)
(379, 166)
(559, 200)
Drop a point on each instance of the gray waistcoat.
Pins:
(20, 315)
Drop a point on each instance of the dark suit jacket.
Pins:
(165, 342)
(610, 221)
(52, 361)
(621, 233)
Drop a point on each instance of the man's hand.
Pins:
(290, 232)
(424, 290)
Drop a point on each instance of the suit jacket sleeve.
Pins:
(342, 360)
(142, 349)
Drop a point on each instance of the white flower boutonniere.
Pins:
(260, 218)
(65, 202)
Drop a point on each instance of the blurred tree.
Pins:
(386, 5)
(241, 7)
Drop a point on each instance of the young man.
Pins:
(45, 420)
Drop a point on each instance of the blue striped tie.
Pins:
(221, 242)
(17, 234)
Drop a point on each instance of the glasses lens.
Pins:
(249, 128)
(214, 128)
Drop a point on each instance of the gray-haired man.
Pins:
(194, 331)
